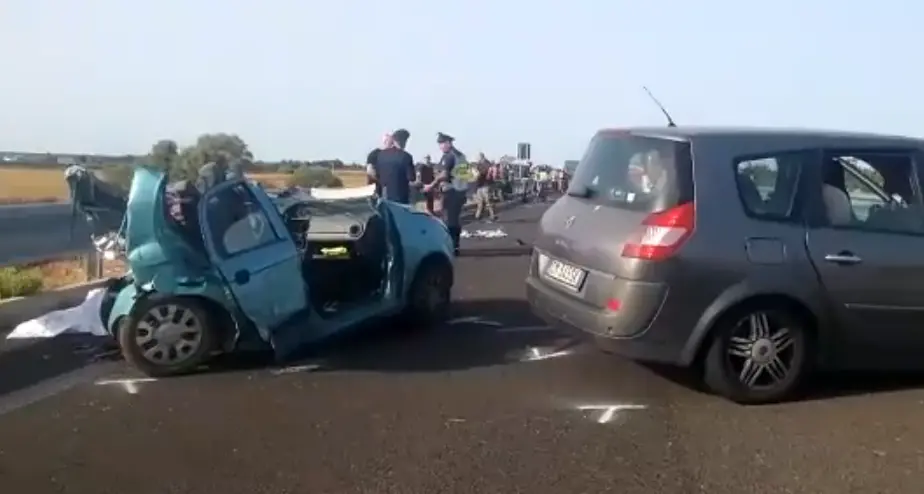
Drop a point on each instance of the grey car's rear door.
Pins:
(874, 280)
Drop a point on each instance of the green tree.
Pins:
(165, 154)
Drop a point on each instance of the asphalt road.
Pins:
(469, 408)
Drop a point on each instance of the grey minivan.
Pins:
(752, 255)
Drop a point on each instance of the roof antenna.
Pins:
(670, 121)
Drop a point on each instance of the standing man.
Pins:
(426, 176)
(452, 198)
(387, 141)
(497, 176)
(483, 188)
(394, 169)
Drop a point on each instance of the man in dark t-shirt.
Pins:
(370, 170)
(394, 169)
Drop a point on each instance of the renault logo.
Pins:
(569, 222)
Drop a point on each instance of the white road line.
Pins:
(609, 411)
(535, 354)
(292, 369)
(525, 329)
(474, 320)
(129, 385)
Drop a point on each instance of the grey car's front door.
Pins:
(871, 264)
(875, 283)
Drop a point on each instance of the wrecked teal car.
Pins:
(238, 268)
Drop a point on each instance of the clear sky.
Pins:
(306, 79)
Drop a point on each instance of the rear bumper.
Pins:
(630, 332)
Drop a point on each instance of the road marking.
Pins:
(609, 411)
(536, 353)
(293, 369)
(525, 329)
(129, 385)
(474, 320)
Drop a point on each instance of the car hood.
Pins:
(289, 197)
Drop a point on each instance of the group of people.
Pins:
(393, 172)
(396, 178)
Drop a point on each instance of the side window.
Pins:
(236, 222)
(767, 184)
(875, 191)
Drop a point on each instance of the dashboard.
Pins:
(328, 222)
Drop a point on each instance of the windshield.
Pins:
(636, 172)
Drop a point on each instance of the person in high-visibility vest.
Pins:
(452, 186)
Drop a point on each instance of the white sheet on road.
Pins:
(81, 319)
(496, 233)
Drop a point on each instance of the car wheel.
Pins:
(166, 336)
(759, 355)
(430, 295)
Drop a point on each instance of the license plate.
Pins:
(566, 274)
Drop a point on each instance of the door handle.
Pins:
(843, 258)
(242, 277)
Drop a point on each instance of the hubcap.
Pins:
(168, 334)
(761, 353)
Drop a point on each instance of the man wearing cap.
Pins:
(453, 200)
(394, 169)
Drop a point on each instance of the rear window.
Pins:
(635, 172)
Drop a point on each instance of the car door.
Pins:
(255, 254)
(870, 258)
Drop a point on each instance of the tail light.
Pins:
(661, 234)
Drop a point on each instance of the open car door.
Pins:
(252, 249)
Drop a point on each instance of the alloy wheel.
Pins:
(761, 352)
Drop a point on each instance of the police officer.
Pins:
(453, 198)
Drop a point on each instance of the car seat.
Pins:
(837, 205)
(750, 195)
(181, 200)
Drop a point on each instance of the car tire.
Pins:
(758, 355)
(429, 296)
(167, 335)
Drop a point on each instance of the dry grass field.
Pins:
(20, 185)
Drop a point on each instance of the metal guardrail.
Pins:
(90, 260)
(34, 233)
